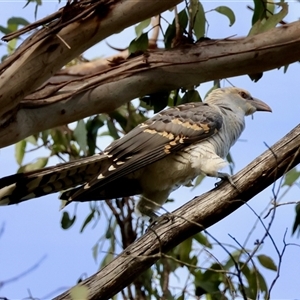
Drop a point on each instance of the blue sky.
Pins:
(32, 230)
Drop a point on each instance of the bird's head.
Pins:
(239, 98)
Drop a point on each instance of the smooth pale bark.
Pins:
(154, 71)
(43, 54)
(193, 217)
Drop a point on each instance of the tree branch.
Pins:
(66, 37)
(196, 215)
(154, 71)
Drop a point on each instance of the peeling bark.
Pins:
(193, 217)
(154, 71)
(53, 46)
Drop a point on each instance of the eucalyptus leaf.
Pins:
(139, 44)
(267, 262)
(228, 12)
(20, 151)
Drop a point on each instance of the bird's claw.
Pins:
(227, 177)
(160, 220)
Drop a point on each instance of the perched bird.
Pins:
(155, 158)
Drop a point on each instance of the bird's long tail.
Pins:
(24, 186)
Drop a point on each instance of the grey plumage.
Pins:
(156, 157)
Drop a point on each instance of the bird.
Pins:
(161, 154)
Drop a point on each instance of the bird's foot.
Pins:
(159, 220)
(227, 177)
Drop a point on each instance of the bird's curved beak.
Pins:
(260, 105)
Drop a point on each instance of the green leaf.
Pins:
(32, 140)
(262, 283)
(267, 262)
(184, 250)
(107, 259)
(95, 252)
(20, 151)
(141, 26)
(263, 25)
(66, 221)
(92, 127)
(259, 10)
(297, 220)
(87, 220)
(199, 21)
(202, 239)
(139, 44)
(158, 100)
(231, 163)
(79, 292)
(17, 21)
(226, 11)
(80, 134)
(191, 96)
(112, 129)
(291, 177)
(198, 180)
(4, 30)
(40, 163)
(273, 20)
(171, 30)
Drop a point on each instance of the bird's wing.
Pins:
(167, 132)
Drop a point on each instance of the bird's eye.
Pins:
(245, 96)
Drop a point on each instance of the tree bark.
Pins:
(53, 46)
(196, 215)
(153, 71)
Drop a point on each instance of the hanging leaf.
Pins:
(226, 11)
(199, 22)
(139, 44)
(184, 250)
(198, 180)
(263, 25)
(87, 220)
(66, 222)
(297, 220)
(291, 177)
(95, 252)
(92, 126)
(80, 134)
(17, 21)
(191, 96)
(112, 129)
(158, 100)
(79, 292)
(273, 20)
(40, 163)
(20, 151)
(259, 10)
(141, 26)
(202, 239)
(262, 283)
(171, 30)
(267, 262)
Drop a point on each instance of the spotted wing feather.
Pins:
(169, 131)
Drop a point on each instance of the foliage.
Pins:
(235, 275)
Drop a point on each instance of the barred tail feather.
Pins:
(24, 186)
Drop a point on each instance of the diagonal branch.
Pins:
(66, 37)
(200, 213)
(157, 70)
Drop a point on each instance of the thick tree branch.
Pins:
(154, 71)
(193, 217)
(53, 46)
